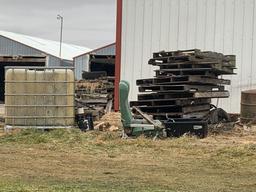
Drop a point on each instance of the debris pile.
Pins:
(109, 122)
(184, 83)
(94, 93)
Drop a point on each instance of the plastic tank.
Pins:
(248, 106)
(39, 97)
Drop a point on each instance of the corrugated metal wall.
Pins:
(109, 50)
(81, 62)
(226, 26)
(10, 47)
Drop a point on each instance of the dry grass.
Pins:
(112, 118)
(100, 161)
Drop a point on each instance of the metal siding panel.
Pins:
(156, 30)
(229, 35)
(219, 26)
(81, 64)
(174, 25)
(191, 24)
(78, 63)
(54, 61)
(182, 27)
(237, 44)
(228, 26)
(247, 39)
(156, 25)
(124, 38)
(228, 44)
(10, 47)
(210, 24)
(218, 33)
(86, 61)
(253, 50)
(146, 39)
(129, 21)
(66, 63)
(165, 15)
(107, 50)
(200, 27)
(137, 44)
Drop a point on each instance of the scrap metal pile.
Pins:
(184, 83)
(94, 93)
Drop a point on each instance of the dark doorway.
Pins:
(103, 63)
(17, 61)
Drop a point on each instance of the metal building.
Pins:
(17, 44)
(81, 62)
(147, 26)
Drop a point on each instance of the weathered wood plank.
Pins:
(173, 109)
(182, 80)
(173, 101)
(179, 88)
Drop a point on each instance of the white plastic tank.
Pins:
(39, 97)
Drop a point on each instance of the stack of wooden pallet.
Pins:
(95, 94)
(184, 83)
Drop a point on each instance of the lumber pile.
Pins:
(95, 94)
(184, 83)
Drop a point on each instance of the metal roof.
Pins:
(97, 49)
(68, 51)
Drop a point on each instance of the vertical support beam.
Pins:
(118, 53)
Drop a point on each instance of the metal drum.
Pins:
(248, 106)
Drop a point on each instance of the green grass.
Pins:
(34, 136)
(70, 160)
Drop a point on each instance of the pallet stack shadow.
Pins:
(95, 93)
(184, 83)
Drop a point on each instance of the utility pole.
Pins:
(59, 17)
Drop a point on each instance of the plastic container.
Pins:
(39, 97)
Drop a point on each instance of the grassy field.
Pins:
(100, 161)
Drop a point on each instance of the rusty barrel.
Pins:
(248, 106)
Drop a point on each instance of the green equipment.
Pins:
(136, 127)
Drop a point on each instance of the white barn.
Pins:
(147, 26)
(17, 44)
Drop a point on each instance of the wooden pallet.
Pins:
(184, 83)
(193, 71)
(198, 54)
(175, 53)
(182, 80)
(173, 101)
(190, 65)
(153, 110)
(171, 95)
(179, 88)
(150, 96)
